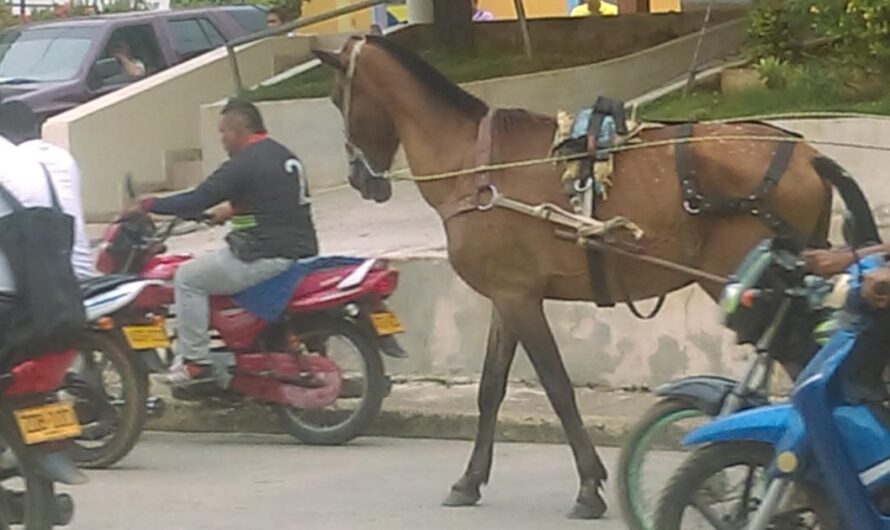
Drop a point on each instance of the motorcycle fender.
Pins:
(763, 424)
(706, 393)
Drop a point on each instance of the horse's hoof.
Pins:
(589, 511)
(459, 497)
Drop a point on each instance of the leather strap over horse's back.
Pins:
(481, 157)
(696, 203)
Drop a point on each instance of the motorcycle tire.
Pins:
(639, 511)
(131, 414)
(706, 462)
(37, 507)
(356, 422)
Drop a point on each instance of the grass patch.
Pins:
(819, 90)
(460, 68)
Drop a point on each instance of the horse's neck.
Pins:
(436, 138)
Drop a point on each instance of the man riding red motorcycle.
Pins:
(271, 228)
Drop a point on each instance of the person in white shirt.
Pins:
(24, 179)
(19, 125)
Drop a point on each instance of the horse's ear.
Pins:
(376, 30)
(330, 59)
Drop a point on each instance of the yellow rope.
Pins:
(786, 116)
(404, 174)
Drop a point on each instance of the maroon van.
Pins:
(55, 66)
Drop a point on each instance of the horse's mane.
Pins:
(431, 78)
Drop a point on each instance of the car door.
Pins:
(193, 35)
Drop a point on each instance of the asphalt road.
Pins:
(188, 481)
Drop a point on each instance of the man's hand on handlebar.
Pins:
(827, 263)
(876, 288)
(220, 214)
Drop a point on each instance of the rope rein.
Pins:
(405, 174)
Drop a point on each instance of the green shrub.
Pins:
(7, 19)
(857, 32)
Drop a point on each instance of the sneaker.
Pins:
(187, 373)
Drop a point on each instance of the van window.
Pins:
(193, 36)
(250, 18)
(143, 44)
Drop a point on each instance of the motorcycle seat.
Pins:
(94, 286)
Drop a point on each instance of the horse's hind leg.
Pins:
(498, 358)
(528, 319)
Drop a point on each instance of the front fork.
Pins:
(775, 494)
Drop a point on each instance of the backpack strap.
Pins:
(52, 189)
(10, 199)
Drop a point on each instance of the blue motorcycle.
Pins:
(820, 461)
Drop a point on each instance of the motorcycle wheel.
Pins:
(638, 487)
(109, 392)
(362, 370)
(706, 474)
(27, 498)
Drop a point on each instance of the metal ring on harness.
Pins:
(583, 187)
(495, 195)
(691, 210)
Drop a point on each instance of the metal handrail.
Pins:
(289, 27)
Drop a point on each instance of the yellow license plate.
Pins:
(47, 423)
(386, 323)
(147, 337)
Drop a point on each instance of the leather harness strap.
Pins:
(481, 157)
(755, 204)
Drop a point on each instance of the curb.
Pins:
(182, 416)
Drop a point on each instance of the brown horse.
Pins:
(388, 95)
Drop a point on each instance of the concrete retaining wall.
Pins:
(447, 328)
(313, 127)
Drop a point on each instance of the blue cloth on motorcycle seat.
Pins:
(268, 299)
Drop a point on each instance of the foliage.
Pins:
(7, 19)
(857, 32)
(293, 7)
(804, 92)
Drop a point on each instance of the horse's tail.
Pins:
(865, 229)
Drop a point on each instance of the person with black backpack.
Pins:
(40, 301)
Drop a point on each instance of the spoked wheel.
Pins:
(361, 396)
(644, 465)
(27, 499)
(721, 486)
(109, 394)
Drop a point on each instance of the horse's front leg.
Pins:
(492, 387)
(528, 319)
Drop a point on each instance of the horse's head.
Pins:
(371, 136)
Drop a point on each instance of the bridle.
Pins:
(356, 155)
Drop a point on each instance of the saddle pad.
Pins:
(268, 299)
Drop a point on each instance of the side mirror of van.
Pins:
(103, 70)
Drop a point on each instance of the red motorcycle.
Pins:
(35, 430)
(318, 364)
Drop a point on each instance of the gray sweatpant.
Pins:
(216, 273)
